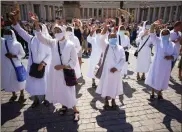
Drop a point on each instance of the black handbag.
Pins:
(34, 72)
(69, 74)
(137, 51)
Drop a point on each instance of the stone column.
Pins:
(176, 13)
(107, 13)
(97, 13)
(170, 14)
(92, 12)
(102, 13)
(153, 17)
(111, 12)
(42, 11)
(83, 9)
(135, 15)
(88, 9)
(148, 14)
(165, 13)
(142, 14)
(159, 15)
(53, 12)
(138, 15)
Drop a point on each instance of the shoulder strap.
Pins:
(119, 40)
(144, 44)
(9, 52)
(59, 52)
(30, 49)
(105, 53)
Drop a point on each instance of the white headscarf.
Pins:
(13, 40)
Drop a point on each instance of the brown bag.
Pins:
(100, 69)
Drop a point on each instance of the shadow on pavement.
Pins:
(81, 82)
(96, 97)
(10, 111)
(45, 119)
(128, 90)
(130, 72)
(114, 121)
(170, 110)
(176, 87)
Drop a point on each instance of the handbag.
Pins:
(19, 70)
(69, 74)
(100, 69)
(136, 52)
(34, 72)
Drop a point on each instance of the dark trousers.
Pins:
(127, 55)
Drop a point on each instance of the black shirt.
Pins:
(78, 34)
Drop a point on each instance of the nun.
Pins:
(40, 54)
(16, 53)
(124, 41)
(70, 36)
(160, 69)
(93, 39)
(144, 53)
(110, 84)
(58, 91)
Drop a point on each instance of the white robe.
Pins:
(144, 55)
(160, 69)
(58, 91)
(110, 84)
(95, 55)
(125, 42)
(8, 76)
(41, 52)
(76, 43)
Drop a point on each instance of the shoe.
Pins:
(94, 85)
(21, 99)
(35, 104)
(76, 117)
(152, 97)
(160, 97)
(13, 98)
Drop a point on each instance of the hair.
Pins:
(98, 30)
(69, 28)
(178, 23)
(39, 26)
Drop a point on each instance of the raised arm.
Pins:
(103, 44)
(27, 37)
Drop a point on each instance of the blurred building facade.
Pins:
(49, 10)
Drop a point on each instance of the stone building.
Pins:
(49, 10)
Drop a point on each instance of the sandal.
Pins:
(152, 97)
(160, 97)
(63, 110)
(46, 103)
(143, 78)
(21, 99)
(114, 106)
(76, 117)
(35, 104)
(13, 98)
(138, 78)
(94, 85)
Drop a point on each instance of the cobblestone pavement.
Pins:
(135, 112)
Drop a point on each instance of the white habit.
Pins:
(58, 91)
(95, 54)
(40, 53)
(125, 42)
(76, 43)
(160, 69)
(110, 84)
(8, 76)
(144, 55)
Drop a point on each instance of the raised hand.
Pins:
(14, 16)
(33, 17)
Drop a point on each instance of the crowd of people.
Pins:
(55, 52)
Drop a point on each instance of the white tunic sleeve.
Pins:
(21, 52)
(47, 41)
(121, 62)
(103, 42)
(27, 37)
(77, 44)
(154, 38)
(73, 58)
(90, 39)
